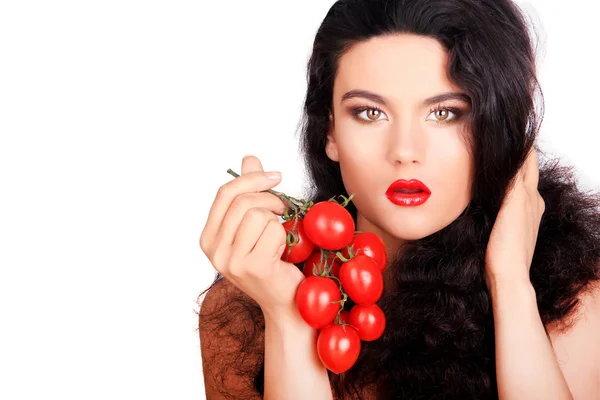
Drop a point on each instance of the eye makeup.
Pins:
(457, 113)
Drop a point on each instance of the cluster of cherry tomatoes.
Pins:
(339, 262)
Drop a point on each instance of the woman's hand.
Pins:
(244, 240)
(514, 234)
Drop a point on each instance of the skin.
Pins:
(407, 140)
(244, 241)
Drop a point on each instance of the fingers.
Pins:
(252, 182)
(517, 185)
(252, 226)
(270, 242)
(240, 206)
(527, 177)
(251, 164)
(525, 188)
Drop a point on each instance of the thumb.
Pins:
(251, 163)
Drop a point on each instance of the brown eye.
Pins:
(441, 115)
(444, 115)
(373, 114)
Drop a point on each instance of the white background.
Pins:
(118, 121)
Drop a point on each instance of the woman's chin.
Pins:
(414, 229)
(407, 234)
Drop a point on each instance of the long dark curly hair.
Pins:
(439, 339)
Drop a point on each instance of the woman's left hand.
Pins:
(514, 234)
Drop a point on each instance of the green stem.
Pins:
(290, 201)
(341, 257)
(346, 199)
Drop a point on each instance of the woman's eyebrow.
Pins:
(427, 102)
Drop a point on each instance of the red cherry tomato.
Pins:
(301, 250)
(315, 259)
(369, 321)
(314, 298)
(362, 280)
(338, 347)
(368, 243)
(311, 262)
(329, 225)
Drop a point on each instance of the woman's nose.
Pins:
(406, 144)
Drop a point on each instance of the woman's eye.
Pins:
(443, 115)
(371, 114)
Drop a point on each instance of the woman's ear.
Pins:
(331, 146)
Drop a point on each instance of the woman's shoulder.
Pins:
(576, 343)
(585, 313)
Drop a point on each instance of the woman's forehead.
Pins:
(403, 68)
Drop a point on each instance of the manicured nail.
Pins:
(274, 175)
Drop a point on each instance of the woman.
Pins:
(491, 286)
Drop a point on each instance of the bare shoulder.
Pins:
(577, 348)
(231, 342)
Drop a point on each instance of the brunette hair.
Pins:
(439, 338)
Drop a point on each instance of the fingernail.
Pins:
(274, 175)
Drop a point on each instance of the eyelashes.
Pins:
(455, 112)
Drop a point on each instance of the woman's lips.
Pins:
(408, 193)
(408, 199)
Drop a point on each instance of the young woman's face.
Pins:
(401, 135)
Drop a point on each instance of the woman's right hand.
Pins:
(244, 240)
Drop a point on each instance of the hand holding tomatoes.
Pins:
(258, 256)
(244, 240)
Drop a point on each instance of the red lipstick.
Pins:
(408, 193)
